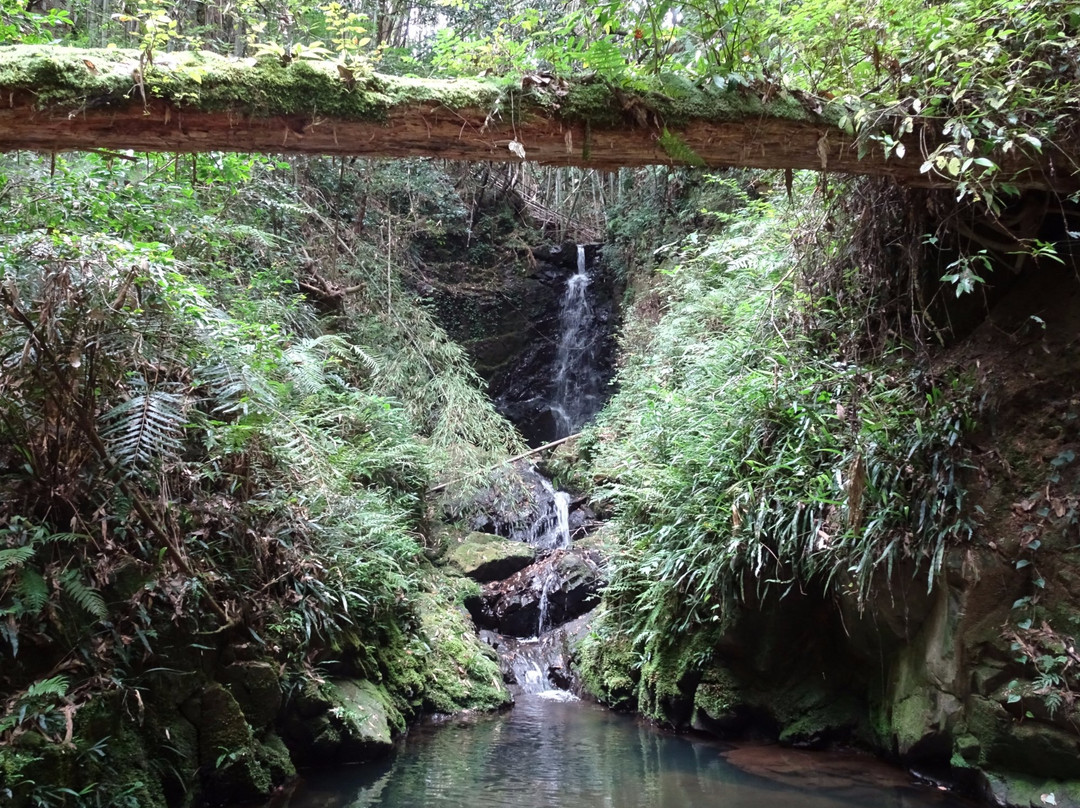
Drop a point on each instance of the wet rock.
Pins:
(554, 590)
(484, 557)
(527, 390)
(1017, 791)
(525, 509)
(545, 663)
(343, 721)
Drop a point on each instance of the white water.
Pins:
(551, 530)
(551, 578)
(572, 381)
(533, 663)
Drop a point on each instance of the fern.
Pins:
(32, 591)
(605, 58)
(55, 687)
(677, 149)
(311, 358)
(14, 556)
(146, 427)
(87, 599)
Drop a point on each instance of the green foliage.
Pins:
(148, 427)
(744, 459)
(37, 708)
(19, 24)
(231, 455)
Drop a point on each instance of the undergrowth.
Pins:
(761, 444)
(215, 425)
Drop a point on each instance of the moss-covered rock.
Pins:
(462, 672)
(342, 721)
(1020, 791)
(257, 689)
(484, 557)
(233, 766)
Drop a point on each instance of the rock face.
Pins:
(236, 765)
(556, 589)
(508, 319)
(532, 390)
(526, 508)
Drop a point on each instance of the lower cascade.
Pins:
(537, 586)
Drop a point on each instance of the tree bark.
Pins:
(56, 99)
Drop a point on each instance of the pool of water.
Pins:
(550, 754)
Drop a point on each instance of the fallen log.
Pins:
(56, 99)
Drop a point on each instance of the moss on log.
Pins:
(56, 98)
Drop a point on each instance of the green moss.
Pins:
(94, 78)
(1014, 789)
(364, 710)
(484, 557)
(462, 673)
(670, 101)
(606, 662)
(64, 77)
(718, 694)
(274, 757)
(223, 729)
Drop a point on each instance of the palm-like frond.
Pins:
(146, 428)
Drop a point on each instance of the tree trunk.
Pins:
(55, 99)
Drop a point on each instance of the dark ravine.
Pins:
(559, 380)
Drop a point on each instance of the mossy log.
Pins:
(57, 99)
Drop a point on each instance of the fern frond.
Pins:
(32, 590)
(87, 599)
(57, 687)
(677, 149)
(146, 427)
(309, 360)
(13, 556)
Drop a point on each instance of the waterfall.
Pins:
(576, 381)
(551, 578)
(538, 665)
(551, 528)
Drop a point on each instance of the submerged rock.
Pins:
(484, 557)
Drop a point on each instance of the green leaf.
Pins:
(14, 556)
(88, 599)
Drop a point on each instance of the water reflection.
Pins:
(547, 754)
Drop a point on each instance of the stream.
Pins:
(548, 754)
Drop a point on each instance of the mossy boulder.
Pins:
(1019, 791)
(462, 672)
(485, 557)
(257, 689)
(342, 721)
(233, 767)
